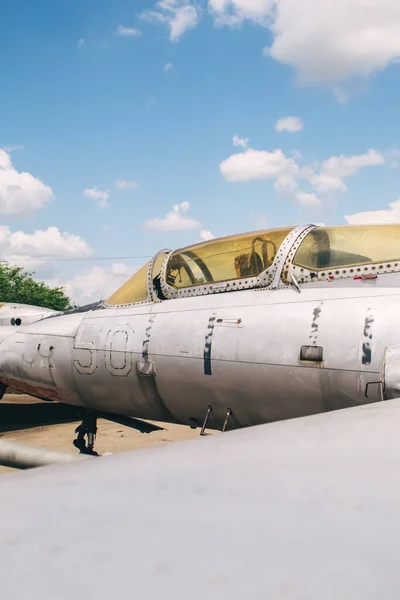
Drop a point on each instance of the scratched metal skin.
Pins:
(170, 360)
(297, 510)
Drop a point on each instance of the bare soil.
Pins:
(51, 425)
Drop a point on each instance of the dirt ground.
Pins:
(51, 425)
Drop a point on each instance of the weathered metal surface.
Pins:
(301, 510)
(169, 360)
(252, 367)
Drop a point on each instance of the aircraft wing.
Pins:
(301, 509)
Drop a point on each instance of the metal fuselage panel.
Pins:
(169, 361)
(107, 352)
(246, 357)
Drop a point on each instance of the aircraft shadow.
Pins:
(15, 416)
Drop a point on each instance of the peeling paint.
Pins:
(208, 345)
(314, 325)
(367, 327)
(145, 350)
(366, 347)
(367, 354)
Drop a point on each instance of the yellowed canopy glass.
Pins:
(133, 290)
(224, 259)
(348, 246)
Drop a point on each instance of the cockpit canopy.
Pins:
(216, 261)
(225, 259)
(238, 261)
(132, 291)
(348, 246)
(141, 286)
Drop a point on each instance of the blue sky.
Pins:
(151, 94)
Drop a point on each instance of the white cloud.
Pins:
(128, 31)
(392, 157)
(306, 199)
(238, 141)
(234, 12)
(20, 193)
(325, 41)
(100, 197)
(289, 124)
(174, 220)
(81, 42)
(297, 155)
(286, 171)
(179, 15)
(334, 40)
(206, 235)
(168, 67)
(50, 242)
(12, 148)
(122, 184)
(390, 215)
(286, 184)
(258, 164)
(96, 283)
(335, 169)
(34, 251)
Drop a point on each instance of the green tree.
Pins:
(17, 285)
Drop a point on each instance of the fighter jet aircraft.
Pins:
(228, 333)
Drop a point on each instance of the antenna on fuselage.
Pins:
(295, 283)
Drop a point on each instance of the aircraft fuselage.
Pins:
(264, 354)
